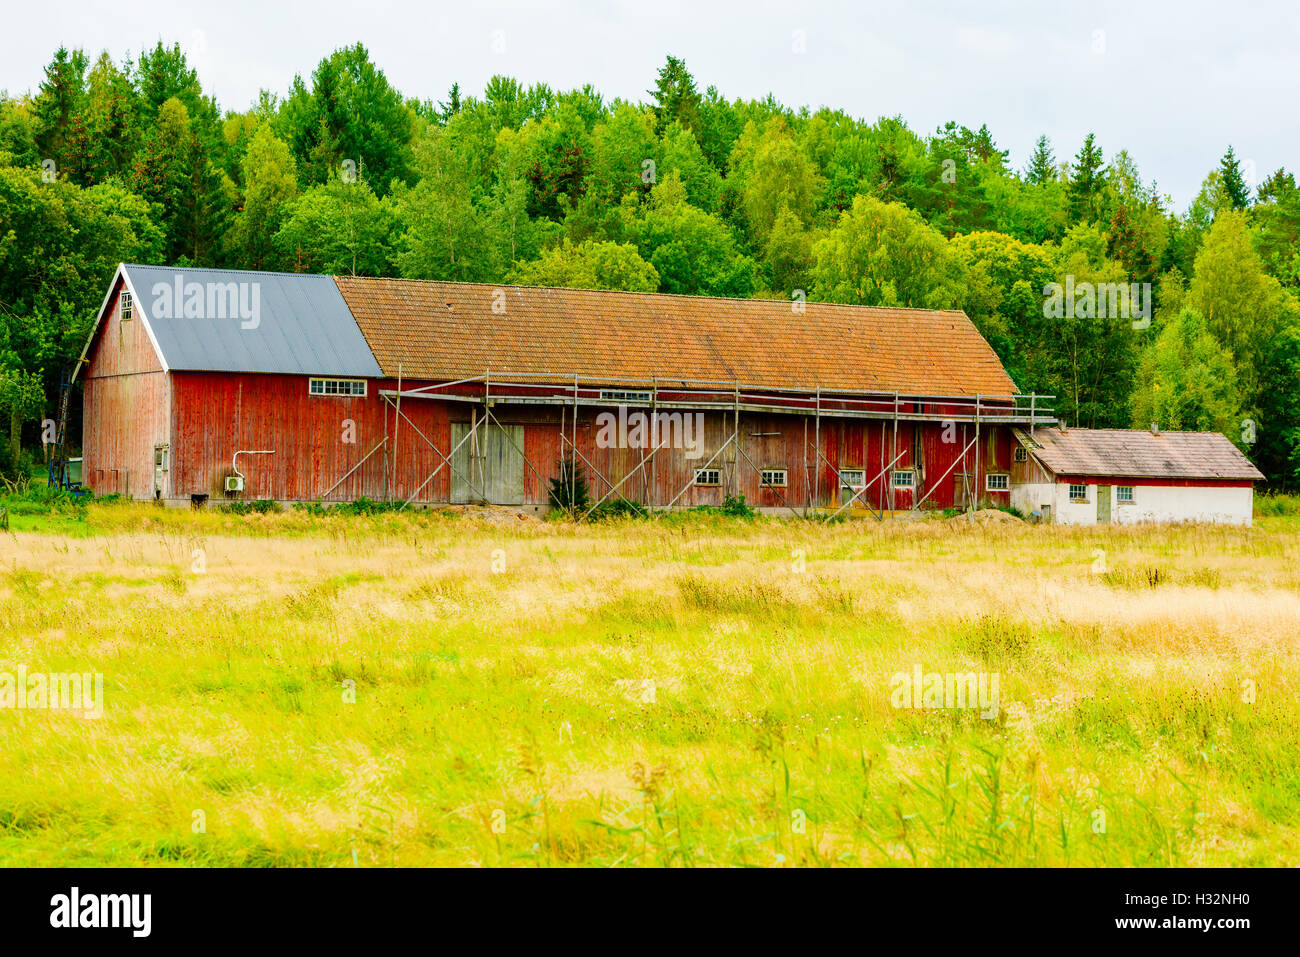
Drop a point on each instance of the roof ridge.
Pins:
(1135, 431)
(251, 272)
(658, 295)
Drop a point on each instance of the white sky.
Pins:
(1174, 83)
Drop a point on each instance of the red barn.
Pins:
(211, 384)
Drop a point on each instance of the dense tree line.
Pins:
(687, 192)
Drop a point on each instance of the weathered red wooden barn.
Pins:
(206, 385)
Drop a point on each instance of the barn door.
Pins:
(505, 467)
(489, 465)
(1103, 504)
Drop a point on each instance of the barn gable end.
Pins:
(125, 399)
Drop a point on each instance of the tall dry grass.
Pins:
(686, 692)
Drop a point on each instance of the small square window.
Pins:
(904, 478)
(852, 478)
(1078, 493)
(128, 306)
(997, 482)
(1021, 454)
(1124, 494)
(708, 477)
(774, 478)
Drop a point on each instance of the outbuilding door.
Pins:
(1103, 504)
(489, 466)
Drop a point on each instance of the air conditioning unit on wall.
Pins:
(234, 483)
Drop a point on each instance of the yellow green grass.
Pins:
(695, 691)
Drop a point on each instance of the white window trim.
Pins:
(783, 473)
(845, 483)
(893, 478)
(1069, 491)
(1132, 494)
(126, 306)
(311, 391)
(717, 473)
(990, 476)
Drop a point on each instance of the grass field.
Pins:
(438, 689)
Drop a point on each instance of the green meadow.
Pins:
(475, 689)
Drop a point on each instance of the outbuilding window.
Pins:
(337, 387)
(774, 477)
(904, 478)
(1078, 493)
(852, 478)
(997, 482)
(1124, 494)
(708, 477)
(1021, 454)
(128, 306)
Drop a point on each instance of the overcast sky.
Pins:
(1174, 83)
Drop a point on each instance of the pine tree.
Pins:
(452, 105)
(569, 491)
(61, 99)
(1234, 184)
(1042, 165)
(113, 105)
(163, 73)
(676, 97)
(173, 170)
(81, 154)
(1087, 180)
(1277, 217)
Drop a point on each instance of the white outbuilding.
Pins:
(1095, 476)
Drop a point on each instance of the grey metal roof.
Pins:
(290, 323)
(1137, 453)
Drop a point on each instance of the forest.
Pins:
(687, 192)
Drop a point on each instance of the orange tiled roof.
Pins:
(1137, 453)
(447, 330)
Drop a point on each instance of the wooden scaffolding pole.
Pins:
(817, 447)
(397, 424)
(653, 492)
(889, 479)
(807, 485)
(574, 445)
(735, 431)
(384, 458)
